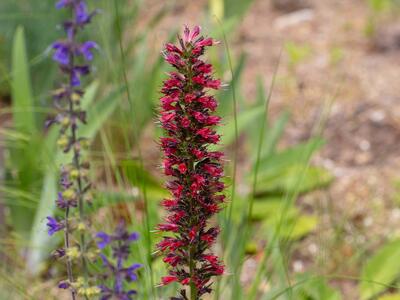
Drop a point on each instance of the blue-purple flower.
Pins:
(54, 225)
(119, 241)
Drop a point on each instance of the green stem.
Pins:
(66, 241)
(193, 289)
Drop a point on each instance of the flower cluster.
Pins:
(72, 57)
(196, 188)
(120, 242)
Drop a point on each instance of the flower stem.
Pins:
(76, 163)
(66, 239)
(193, 289)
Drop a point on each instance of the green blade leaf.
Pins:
(380, 270)
(22, 99)
(244, 119)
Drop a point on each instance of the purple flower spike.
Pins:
(71, 54)
(54, 225)
(119, 241)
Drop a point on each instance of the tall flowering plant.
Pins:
(196, 188)
(72, 57)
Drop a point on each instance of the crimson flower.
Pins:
(196, 188)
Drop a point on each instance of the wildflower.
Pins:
(54, 225)
(72, 57)
(120, 242)
(188, 122)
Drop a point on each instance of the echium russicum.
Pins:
(116, 270)
(188, 120)
(79, 249)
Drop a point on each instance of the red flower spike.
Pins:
(188, 120)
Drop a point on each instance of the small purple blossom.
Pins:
(61, 53)
(77, 73)
(104, 239)
(54, 225)
(85, 49)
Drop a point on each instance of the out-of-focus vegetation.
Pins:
(261, 223)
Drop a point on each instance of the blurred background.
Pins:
(321, 177)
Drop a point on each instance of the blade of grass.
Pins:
(247, 221)
(236, 143)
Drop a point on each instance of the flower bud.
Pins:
(76, 98)
(73, 253)
(63, 141)
(69, 194)
(74, 173)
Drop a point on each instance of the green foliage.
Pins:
(39, 20)
(23, 102)
(381, 270)
(23, 168)
(315, 289)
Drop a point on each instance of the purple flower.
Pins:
(119, 241)
(105, 239)
(131, 272)
(61, 53)
(63, 284)
(77, 73)
(83, 17)
(54, 225)
(63, 3)
(85, 49)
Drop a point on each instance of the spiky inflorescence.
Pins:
(120, 242)
(72, 57)
(187, 119)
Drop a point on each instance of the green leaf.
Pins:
(22, 99)
(298, 178)
(315, 289)
(99, 113)
(137, 176)
(274, 134)
(300, 153)
(244, 119)
(288, 220)
(40, 241)
(380, 270)
(271, 209)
